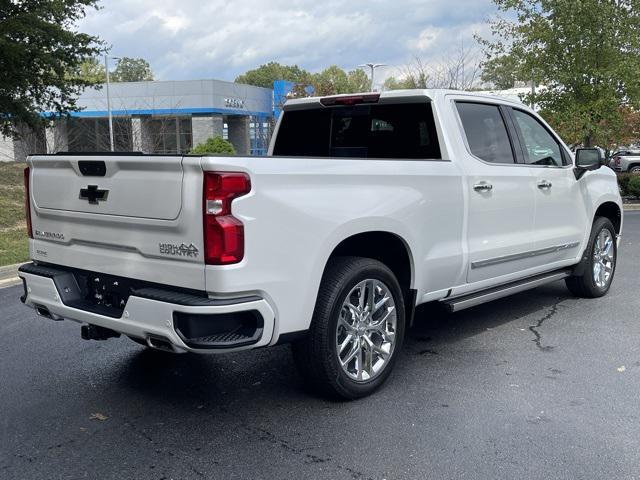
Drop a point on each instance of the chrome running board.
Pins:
(477, 298)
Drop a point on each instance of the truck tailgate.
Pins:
(126, 215)
(132, 186)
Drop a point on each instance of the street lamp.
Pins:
(373, 67)
(106, 69)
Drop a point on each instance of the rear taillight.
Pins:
(27, 201)
(223, 233)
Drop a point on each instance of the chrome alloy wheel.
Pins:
(366, 333)
(603, 258)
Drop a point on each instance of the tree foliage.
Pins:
(500, 72)
(266, 74)
(330, 81)
(39, 45)
(91, 70)
(585, 54)
(131, 70)
(214, 145)
(334, 80)
(127, 69)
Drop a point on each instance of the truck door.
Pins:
(500, 191)
(561, 212)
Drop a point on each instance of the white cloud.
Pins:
(221, 39)
(427, 38)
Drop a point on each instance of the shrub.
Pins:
(214, 145)
(633, 188)
(623, 183)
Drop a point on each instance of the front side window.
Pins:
(540, 148)
(486, 132)
(361, 131)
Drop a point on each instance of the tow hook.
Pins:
(94, 332)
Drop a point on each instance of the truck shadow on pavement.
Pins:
(433, 323)
(224, 379)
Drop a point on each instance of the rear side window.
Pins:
(361, 131)
(486, 132)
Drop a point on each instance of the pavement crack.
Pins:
(535, 328)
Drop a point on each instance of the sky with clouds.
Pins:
(189, 39)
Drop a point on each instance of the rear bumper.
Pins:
(187, 323)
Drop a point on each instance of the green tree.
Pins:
(358, 81)
(334, 80)
(331, 81)
(91, 70)
(500, 72)
(39, 45)
(214, 145)
(266, 74)
(394, 83)
(132, 70)
(586, 56)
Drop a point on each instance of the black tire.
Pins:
(635, 170)
(317, 354)
(583, 284)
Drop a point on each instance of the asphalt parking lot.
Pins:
(540, 385)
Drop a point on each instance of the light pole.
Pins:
(373, 67)
(106, 69)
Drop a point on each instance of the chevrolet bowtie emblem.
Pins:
(93, 194)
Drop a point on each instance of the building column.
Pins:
(239, 134)
(7, 149)
(141, 135)
(57, 137)
(204, 128)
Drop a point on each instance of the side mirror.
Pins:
(587, 159)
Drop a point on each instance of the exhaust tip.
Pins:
(160, 343)
(43, 311)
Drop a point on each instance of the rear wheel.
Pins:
(357, 329)
(599, 262)
(635, 170)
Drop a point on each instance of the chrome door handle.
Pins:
(483, 187)
(544, 184)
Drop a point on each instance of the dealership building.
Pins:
(156, 117)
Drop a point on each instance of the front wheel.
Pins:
(599, 262)
(357, 329)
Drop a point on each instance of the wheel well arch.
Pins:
(632, 165)
(386, 247)
(611, 211)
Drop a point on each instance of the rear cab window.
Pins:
(486, 132)
(385, 131)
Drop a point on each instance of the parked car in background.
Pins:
(626, 161)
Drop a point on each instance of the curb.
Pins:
(9, 275)
(631, 208)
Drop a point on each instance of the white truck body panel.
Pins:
(299, 210)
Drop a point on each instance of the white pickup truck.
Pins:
(366, 206)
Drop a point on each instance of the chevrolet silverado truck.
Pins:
(365, 207)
